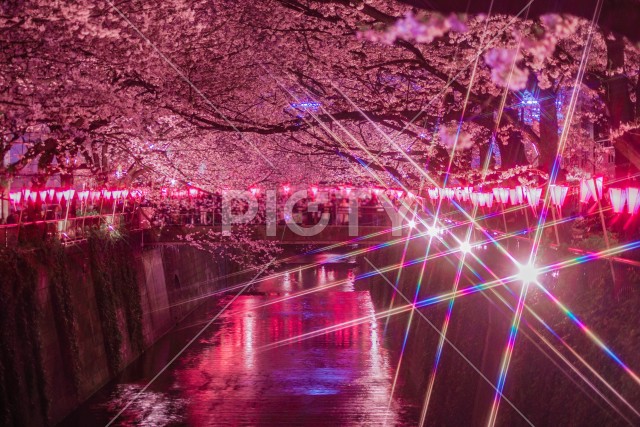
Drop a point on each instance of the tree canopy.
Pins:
(234, 93)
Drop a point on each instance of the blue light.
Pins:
(306, 105)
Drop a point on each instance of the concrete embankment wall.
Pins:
(92, 316)
(541, 385)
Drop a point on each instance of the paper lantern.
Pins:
(558, 194)
(125, 194)
(488, 199)
(449, 193)
(33, 196)
(598, 183)
(618, 198)
(501, 195)
(504, 195)
(633, 200)
(591, 189)
(43, 195)
(496, 193)
(533, 196)
(515, 196)
(15, 196)
(433, 193)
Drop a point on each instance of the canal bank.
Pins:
(73, 317)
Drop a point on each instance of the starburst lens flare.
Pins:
(465, 247)
(527, 273)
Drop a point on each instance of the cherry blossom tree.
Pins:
(232, 94)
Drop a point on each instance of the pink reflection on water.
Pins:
(338, 378)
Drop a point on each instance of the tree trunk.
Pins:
(548, 129)
(513, 152)
(620, 108)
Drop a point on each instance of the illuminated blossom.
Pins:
(504, 71)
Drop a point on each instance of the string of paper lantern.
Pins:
(588, 190)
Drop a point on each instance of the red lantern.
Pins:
(433, 193)
(15, 197)
(516, 196)
(633, 200)
(558, 194)
(591, 188)
(618, 198)
(533, 196)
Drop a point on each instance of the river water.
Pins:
(266, 361)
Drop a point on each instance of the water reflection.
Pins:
(228, 378)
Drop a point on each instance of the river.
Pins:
(265, 361)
